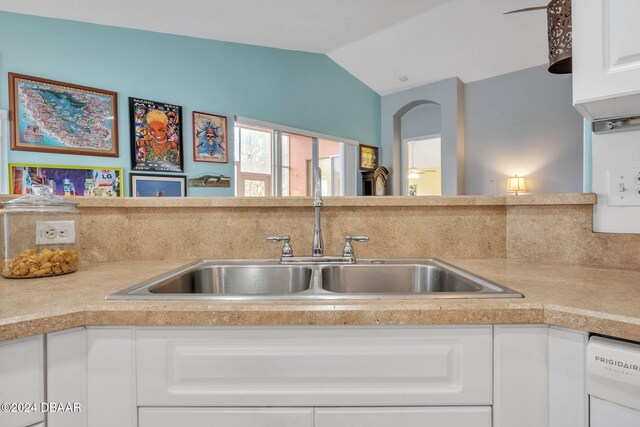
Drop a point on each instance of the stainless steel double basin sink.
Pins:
(256, 280)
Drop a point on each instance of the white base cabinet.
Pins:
(67, 376)
(539, 377)
(521, 396)
(21, 381)
(94, 367)
(436, 376)
(568, 399)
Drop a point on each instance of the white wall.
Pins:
(614, 151)
(523, 123)
(423, 120)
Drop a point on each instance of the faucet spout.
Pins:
(318, 246)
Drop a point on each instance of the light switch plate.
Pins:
(624, 187)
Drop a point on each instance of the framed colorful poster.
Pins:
(56, 117)
(368, 157)
(210, 143)
(156, 136)
(86, 181)
(158, 185)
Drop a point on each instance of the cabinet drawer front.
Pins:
(227, 417)
(451, 416)
(329, 366)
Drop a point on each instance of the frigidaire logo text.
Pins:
(618, 363)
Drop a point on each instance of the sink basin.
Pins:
(238, 280)
(206, 279)
(411, 279)
(258, 280)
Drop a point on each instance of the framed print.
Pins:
(158, 185)
(88, 181)
(156, 136)
(368, 157)
(210, 143)
(56, 117)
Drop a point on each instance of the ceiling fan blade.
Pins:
(526, 9)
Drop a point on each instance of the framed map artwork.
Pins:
(156, 136)
(56, 117)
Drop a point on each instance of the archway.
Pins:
(416, 120)
(449, 94)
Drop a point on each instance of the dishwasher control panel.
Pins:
(613, 371)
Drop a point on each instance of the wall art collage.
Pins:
(54, 117)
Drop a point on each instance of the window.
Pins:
(273, 160)
(253, 162)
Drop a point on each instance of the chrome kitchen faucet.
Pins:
(317, 251)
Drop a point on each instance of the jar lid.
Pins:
(41, 199)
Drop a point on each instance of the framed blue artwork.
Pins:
(158, 185)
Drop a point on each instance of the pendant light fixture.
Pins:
(560, 36)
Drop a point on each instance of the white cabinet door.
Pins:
(67, 376)
(404, 417)
(521, 372)
(227, 417)
(22, 380)
(314, 366)
(111, 393)
(568, 399)
(606, 57)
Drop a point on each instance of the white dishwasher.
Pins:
(613, 382)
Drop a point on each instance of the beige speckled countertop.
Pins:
(279, 202)
(599, 300)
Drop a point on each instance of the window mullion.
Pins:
(277, 163)
(315, 162)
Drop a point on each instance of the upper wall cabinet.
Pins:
(606, 58)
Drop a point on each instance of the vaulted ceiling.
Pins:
(375, 40)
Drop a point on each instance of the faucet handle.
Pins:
(348, 249)
(287, 250)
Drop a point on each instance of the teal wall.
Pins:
(298, 89)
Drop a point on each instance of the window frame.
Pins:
(276, 153)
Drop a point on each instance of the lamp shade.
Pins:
(560, 36)
(516, 185)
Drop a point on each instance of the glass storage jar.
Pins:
(40, 235)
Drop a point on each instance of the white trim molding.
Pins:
(288, 129)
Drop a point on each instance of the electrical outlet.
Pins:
(55, 232)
